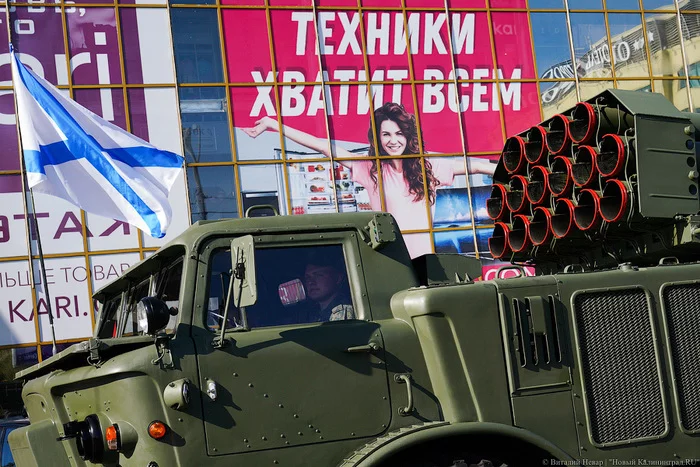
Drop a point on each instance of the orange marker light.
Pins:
(112, 437)
(157, 429)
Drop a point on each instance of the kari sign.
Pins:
(378, 84)
(69, 296)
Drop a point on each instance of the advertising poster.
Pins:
(304, 95)
(92, 47)
(68, 294)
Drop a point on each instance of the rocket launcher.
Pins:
(613, 179)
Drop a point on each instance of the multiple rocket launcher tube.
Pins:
(567, 175)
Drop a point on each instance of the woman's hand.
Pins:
(261, 126)
(481, 166)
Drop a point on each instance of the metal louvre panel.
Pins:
(619, 364)
(682, 306)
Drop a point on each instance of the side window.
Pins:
(137, 293)
(109, 322)
(219, 278)
(295, 285)
(168, 290)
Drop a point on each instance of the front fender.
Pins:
(375, 454)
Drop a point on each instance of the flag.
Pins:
(71, 153)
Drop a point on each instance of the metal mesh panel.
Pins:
(682, 304)
(620, 370)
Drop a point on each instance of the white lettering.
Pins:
(432, 33)
(293, 101)
(396, 75)
(324, 31)
(479, 90)
(378, 33)
(344, 75)
(452, 98)
(349, 33)
(433, 98)
(510, 92)
(399, 35)
(463, 34)
(263, 98)
(303, 18)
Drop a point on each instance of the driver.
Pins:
(325, 283)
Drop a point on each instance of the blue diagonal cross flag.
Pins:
(71, 153)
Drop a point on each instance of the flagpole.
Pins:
(31, 217)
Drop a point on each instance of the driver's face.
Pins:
(321, 282)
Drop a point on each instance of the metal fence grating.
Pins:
(682, 305)
(621, 373)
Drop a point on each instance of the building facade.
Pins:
(309, 106)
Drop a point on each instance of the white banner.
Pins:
(70, 301)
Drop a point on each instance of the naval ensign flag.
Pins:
(72, 153)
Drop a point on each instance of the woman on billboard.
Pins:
(402, 179)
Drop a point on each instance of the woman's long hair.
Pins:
(411, 168)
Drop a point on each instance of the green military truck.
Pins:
(316, 341)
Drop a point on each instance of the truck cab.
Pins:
(316, 340)
(224, 337)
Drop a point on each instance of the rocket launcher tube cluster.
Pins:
(611, 169)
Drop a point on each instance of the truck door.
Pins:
(308, 365)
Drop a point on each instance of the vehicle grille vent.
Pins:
(621, 375)
(682, 305)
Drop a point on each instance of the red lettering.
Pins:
(126, 228)
(49, 276)
(84, 275)
(65, 271)
(65, 228)
(42, 303)
(33, 223)
(112, 271)
(4, 230)
(19, 279)
(8, 279)
(14, 310)
(62, 303)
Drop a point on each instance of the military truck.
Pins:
(224, 347)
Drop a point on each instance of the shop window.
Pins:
(694, 70)
(312, 287)
(262, 185)
(197, 46)
(212, 192)
(205, 127)
(551, 43)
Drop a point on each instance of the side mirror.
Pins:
(291, 292)
(245, 292)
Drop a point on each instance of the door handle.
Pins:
(406, 378)
(367, 348)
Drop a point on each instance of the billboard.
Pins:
(73, 241)
(390, 96)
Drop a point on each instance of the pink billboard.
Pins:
(351, 84)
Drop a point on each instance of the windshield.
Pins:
(118, 314)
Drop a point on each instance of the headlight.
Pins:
(152, 315)
(142, 317)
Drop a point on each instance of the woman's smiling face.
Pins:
(392, 138)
